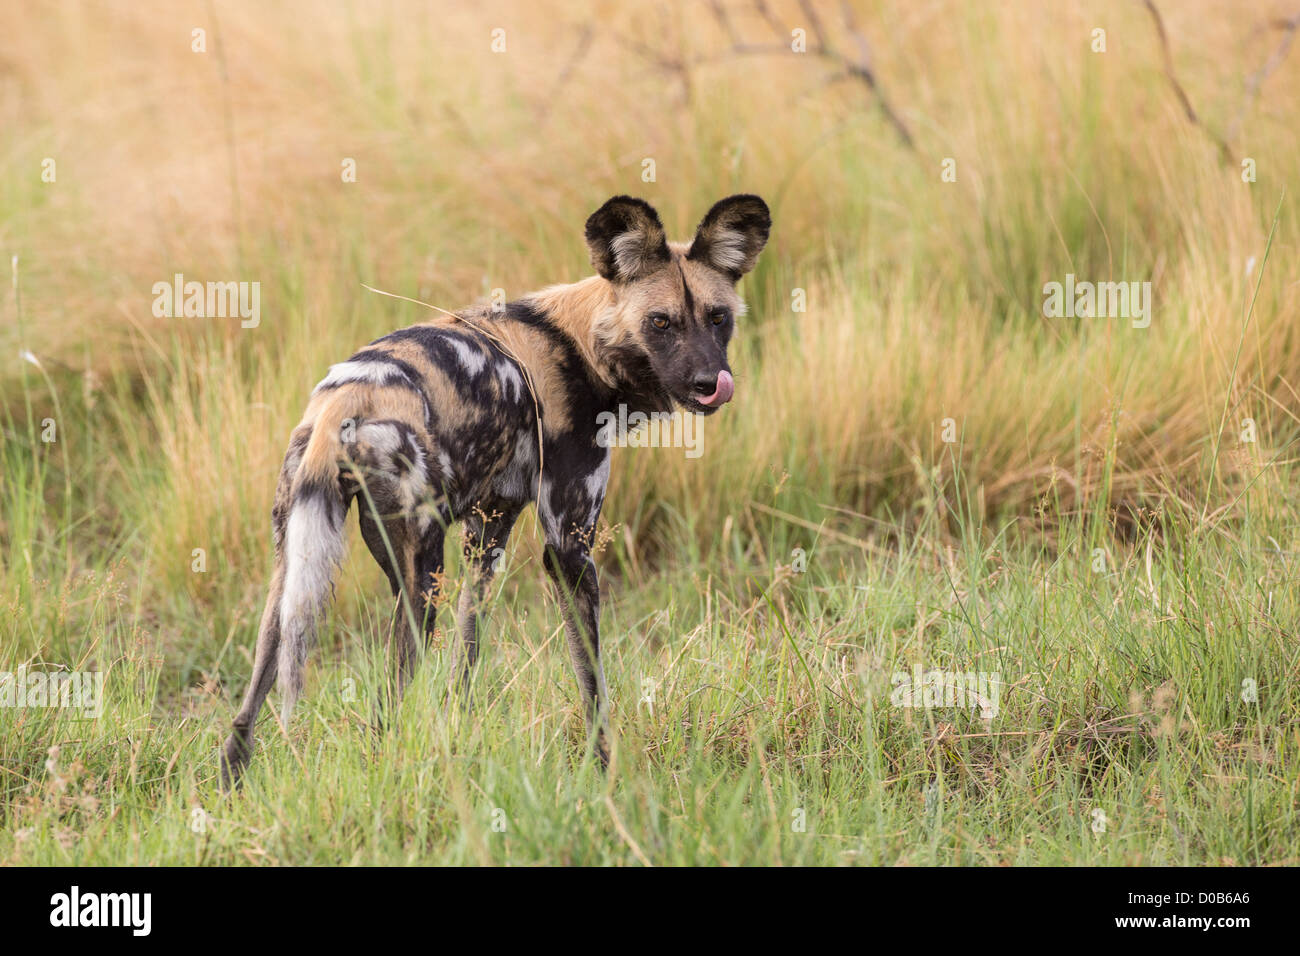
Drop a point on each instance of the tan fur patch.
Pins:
(327, 411)
(541, 358)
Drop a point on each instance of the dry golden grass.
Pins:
(475, 170)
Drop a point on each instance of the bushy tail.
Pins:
(313, 548)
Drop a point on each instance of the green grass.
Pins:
(1121, 693)
(1100, 535)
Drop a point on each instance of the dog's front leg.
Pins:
(574, 575)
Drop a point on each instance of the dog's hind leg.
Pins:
(403, 537)
(486, 534)
(239, 745)
(391, 542)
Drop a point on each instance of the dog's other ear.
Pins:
(732, 235)
(626, 239)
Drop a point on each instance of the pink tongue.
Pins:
(722, 394)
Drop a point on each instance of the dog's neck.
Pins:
(579, 309)
(584, 312)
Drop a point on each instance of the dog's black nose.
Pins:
(706, 384)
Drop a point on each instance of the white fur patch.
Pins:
(596, 484)
(470, 357)
(550, 520)
(516, 480)
(411, 485)
(727, 250)
(383, 436)
(629, 252)
(511, 383)
(376, 373)
(313, 548)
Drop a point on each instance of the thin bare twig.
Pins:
(1168, 60)
(1254, 82)
(857, 67)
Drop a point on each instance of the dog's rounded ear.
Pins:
(732, 234)
(626, 239)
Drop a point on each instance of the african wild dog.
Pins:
(440, 423)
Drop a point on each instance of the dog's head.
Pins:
(675, 304)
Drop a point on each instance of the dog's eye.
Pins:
(659, 320)
(718, 316)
